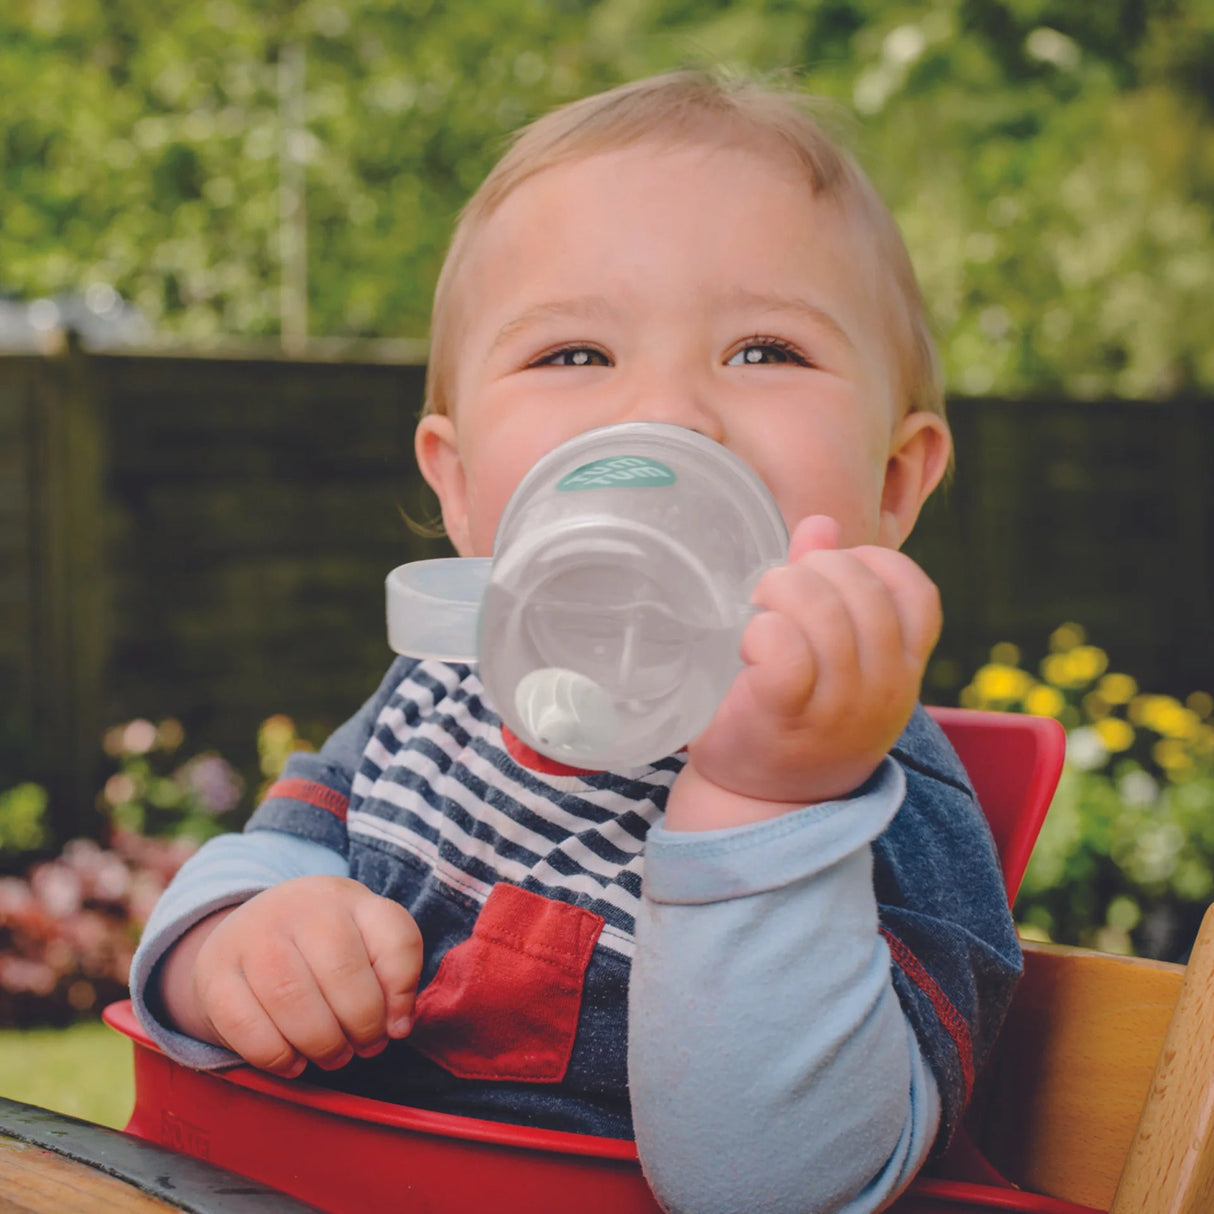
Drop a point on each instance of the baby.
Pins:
(778, 957)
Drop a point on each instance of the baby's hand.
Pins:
(833, 668)
(317, 968)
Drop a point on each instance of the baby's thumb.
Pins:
(815, 532)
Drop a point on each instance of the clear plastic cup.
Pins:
(609, 617)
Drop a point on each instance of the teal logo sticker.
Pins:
(618, 472)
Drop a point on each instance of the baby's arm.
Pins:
(771, 1063)
(263, 944)
(771, 1067)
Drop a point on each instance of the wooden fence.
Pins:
(207, 538)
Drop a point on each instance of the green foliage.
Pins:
(1123, 864)
(22, 818)
(1125, 860)
(1052, 163)
(154, 793)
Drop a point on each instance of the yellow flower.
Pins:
(1056, 670)
(1172, 756)
(1166, 716)
(1116, 734)
(1063, 670)
(1184, 724)
(1117, 688)
(276, 739)
(996, 682)
(1144, 710)
(1201, 702)
(1066, 637)
(1095, 706)
(1005, 654)
(1088, 662)
(277, 730)
(1044, 701)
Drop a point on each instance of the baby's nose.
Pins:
(678, 405)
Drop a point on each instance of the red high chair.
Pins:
(350, 1154)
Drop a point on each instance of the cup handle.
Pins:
(433, 607)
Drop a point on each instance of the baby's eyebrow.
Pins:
(583, 307)
(763, 301)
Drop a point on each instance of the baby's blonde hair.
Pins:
(697, 108)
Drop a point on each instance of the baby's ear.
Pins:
(437, 451)
(918, 459)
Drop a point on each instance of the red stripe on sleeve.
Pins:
(320, 795)
(954, 1023)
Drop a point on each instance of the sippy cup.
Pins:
(607, 622)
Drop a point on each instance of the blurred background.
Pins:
(220, 225)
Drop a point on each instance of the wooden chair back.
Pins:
(1101, 1089)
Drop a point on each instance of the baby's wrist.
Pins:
(175, 980)
(697, 802)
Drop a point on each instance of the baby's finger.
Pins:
(781, 669)
(394, 949)
(804, 593)
(813, 533)
(242, 1026)
(871, 608)
(283, 983)
(915, 597)
(334, 950)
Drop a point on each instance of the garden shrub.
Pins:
(69, 924)
(68, 928)
(1125, 861)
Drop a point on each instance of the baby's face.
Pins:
(699, 286)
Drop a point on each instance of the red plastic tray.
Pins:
(350, 1155)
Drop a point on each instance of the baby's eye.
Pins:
(760, 350)
(574, 356)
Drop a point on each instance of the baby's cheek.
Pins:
(486, 501)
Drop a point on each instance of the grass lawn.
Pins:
(84, 1071)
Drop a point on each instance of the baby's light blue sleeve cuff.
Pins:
(694, 867)
(225, 871)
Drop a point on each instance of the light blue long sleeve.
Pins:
(771, 1068)
(224, 872)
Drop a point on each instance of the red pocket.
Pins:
(505, 1002)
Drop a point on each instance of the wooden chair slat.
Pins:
(1170, 1166)
(1059, 1104)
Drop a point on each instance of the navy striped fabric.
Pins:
(437, 789)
